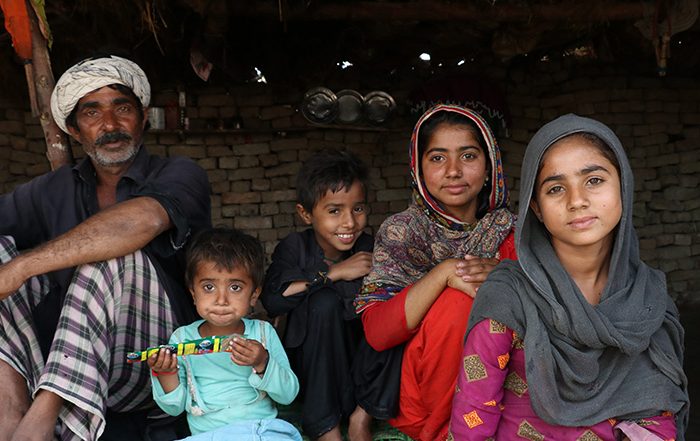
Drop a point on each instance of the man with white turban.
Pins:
(91, 265)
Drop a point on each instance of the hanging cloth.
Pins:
(18, 25)
(679, 16)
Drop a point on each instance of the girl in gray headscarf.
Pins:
(578, 340)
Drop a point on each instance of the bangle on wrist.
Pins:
(319, 279)
(158, 374)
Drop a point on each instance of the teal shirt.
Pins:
(226, 392)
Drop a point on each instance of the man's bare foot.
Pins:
(39, 423)
(14, 402)
(331, 435)
(359, 425)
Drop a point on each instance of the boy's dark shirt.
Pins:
(56, 202)
(299, 257)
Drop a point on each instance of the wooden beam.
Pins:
(58, 149)
(566, 11)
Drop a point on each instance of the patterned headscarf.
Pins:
(411, 243)
(92, 74)
(498, 197)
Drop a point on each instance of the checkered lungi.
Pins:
(110, 308)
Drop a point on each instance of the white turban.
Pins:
(92, 74)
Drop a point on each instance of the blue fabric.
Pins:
(254, 430)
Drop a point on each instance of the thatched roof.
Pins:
(304, 40)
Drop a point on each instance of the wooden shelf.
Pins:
(245, 131)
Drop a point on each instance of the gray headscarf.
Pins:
(620, 359)
(92, 74)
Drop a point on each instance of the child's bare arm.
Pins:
(354, 267)
(295, 288)
(285, 260)
(164, 367)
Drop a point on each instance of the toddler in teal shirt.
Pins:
(227, 394)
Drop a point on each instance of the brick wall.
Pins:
(658, 121)
(253, 170)
(22, 149)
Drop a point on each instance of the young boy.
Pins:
(227, 395)
(313, 278)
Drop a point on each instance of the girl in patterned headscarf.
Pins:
(428, 262)
(578, 340)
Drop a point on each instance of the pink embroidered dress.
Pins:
(492, 401)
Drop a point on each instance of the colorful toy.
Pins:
(208, 345)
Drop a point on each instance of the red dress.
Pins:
(431, 356)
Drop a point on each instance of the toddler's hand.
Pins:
(354, 267)
(163, 361)
(246, 352)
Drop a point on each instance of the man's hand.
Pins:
(355, 266)
(11, 278)
(113, 232)
(247, 352)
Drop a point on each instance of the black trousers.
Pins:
(377, 379)
(323, 363)
(144, 425)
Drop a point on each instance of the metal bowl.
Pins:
(320, 105)
(350, 105)
(378, 106)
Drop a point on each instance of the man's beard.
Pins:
(123, 156)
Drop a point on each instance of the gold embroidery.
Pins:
(515, 384)
(496, 327)
(589, 435)
(503, 360)
(491, 403)
(527, 431)
(517, 341)
(612, 421)
(474, 368)
(472, 419)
